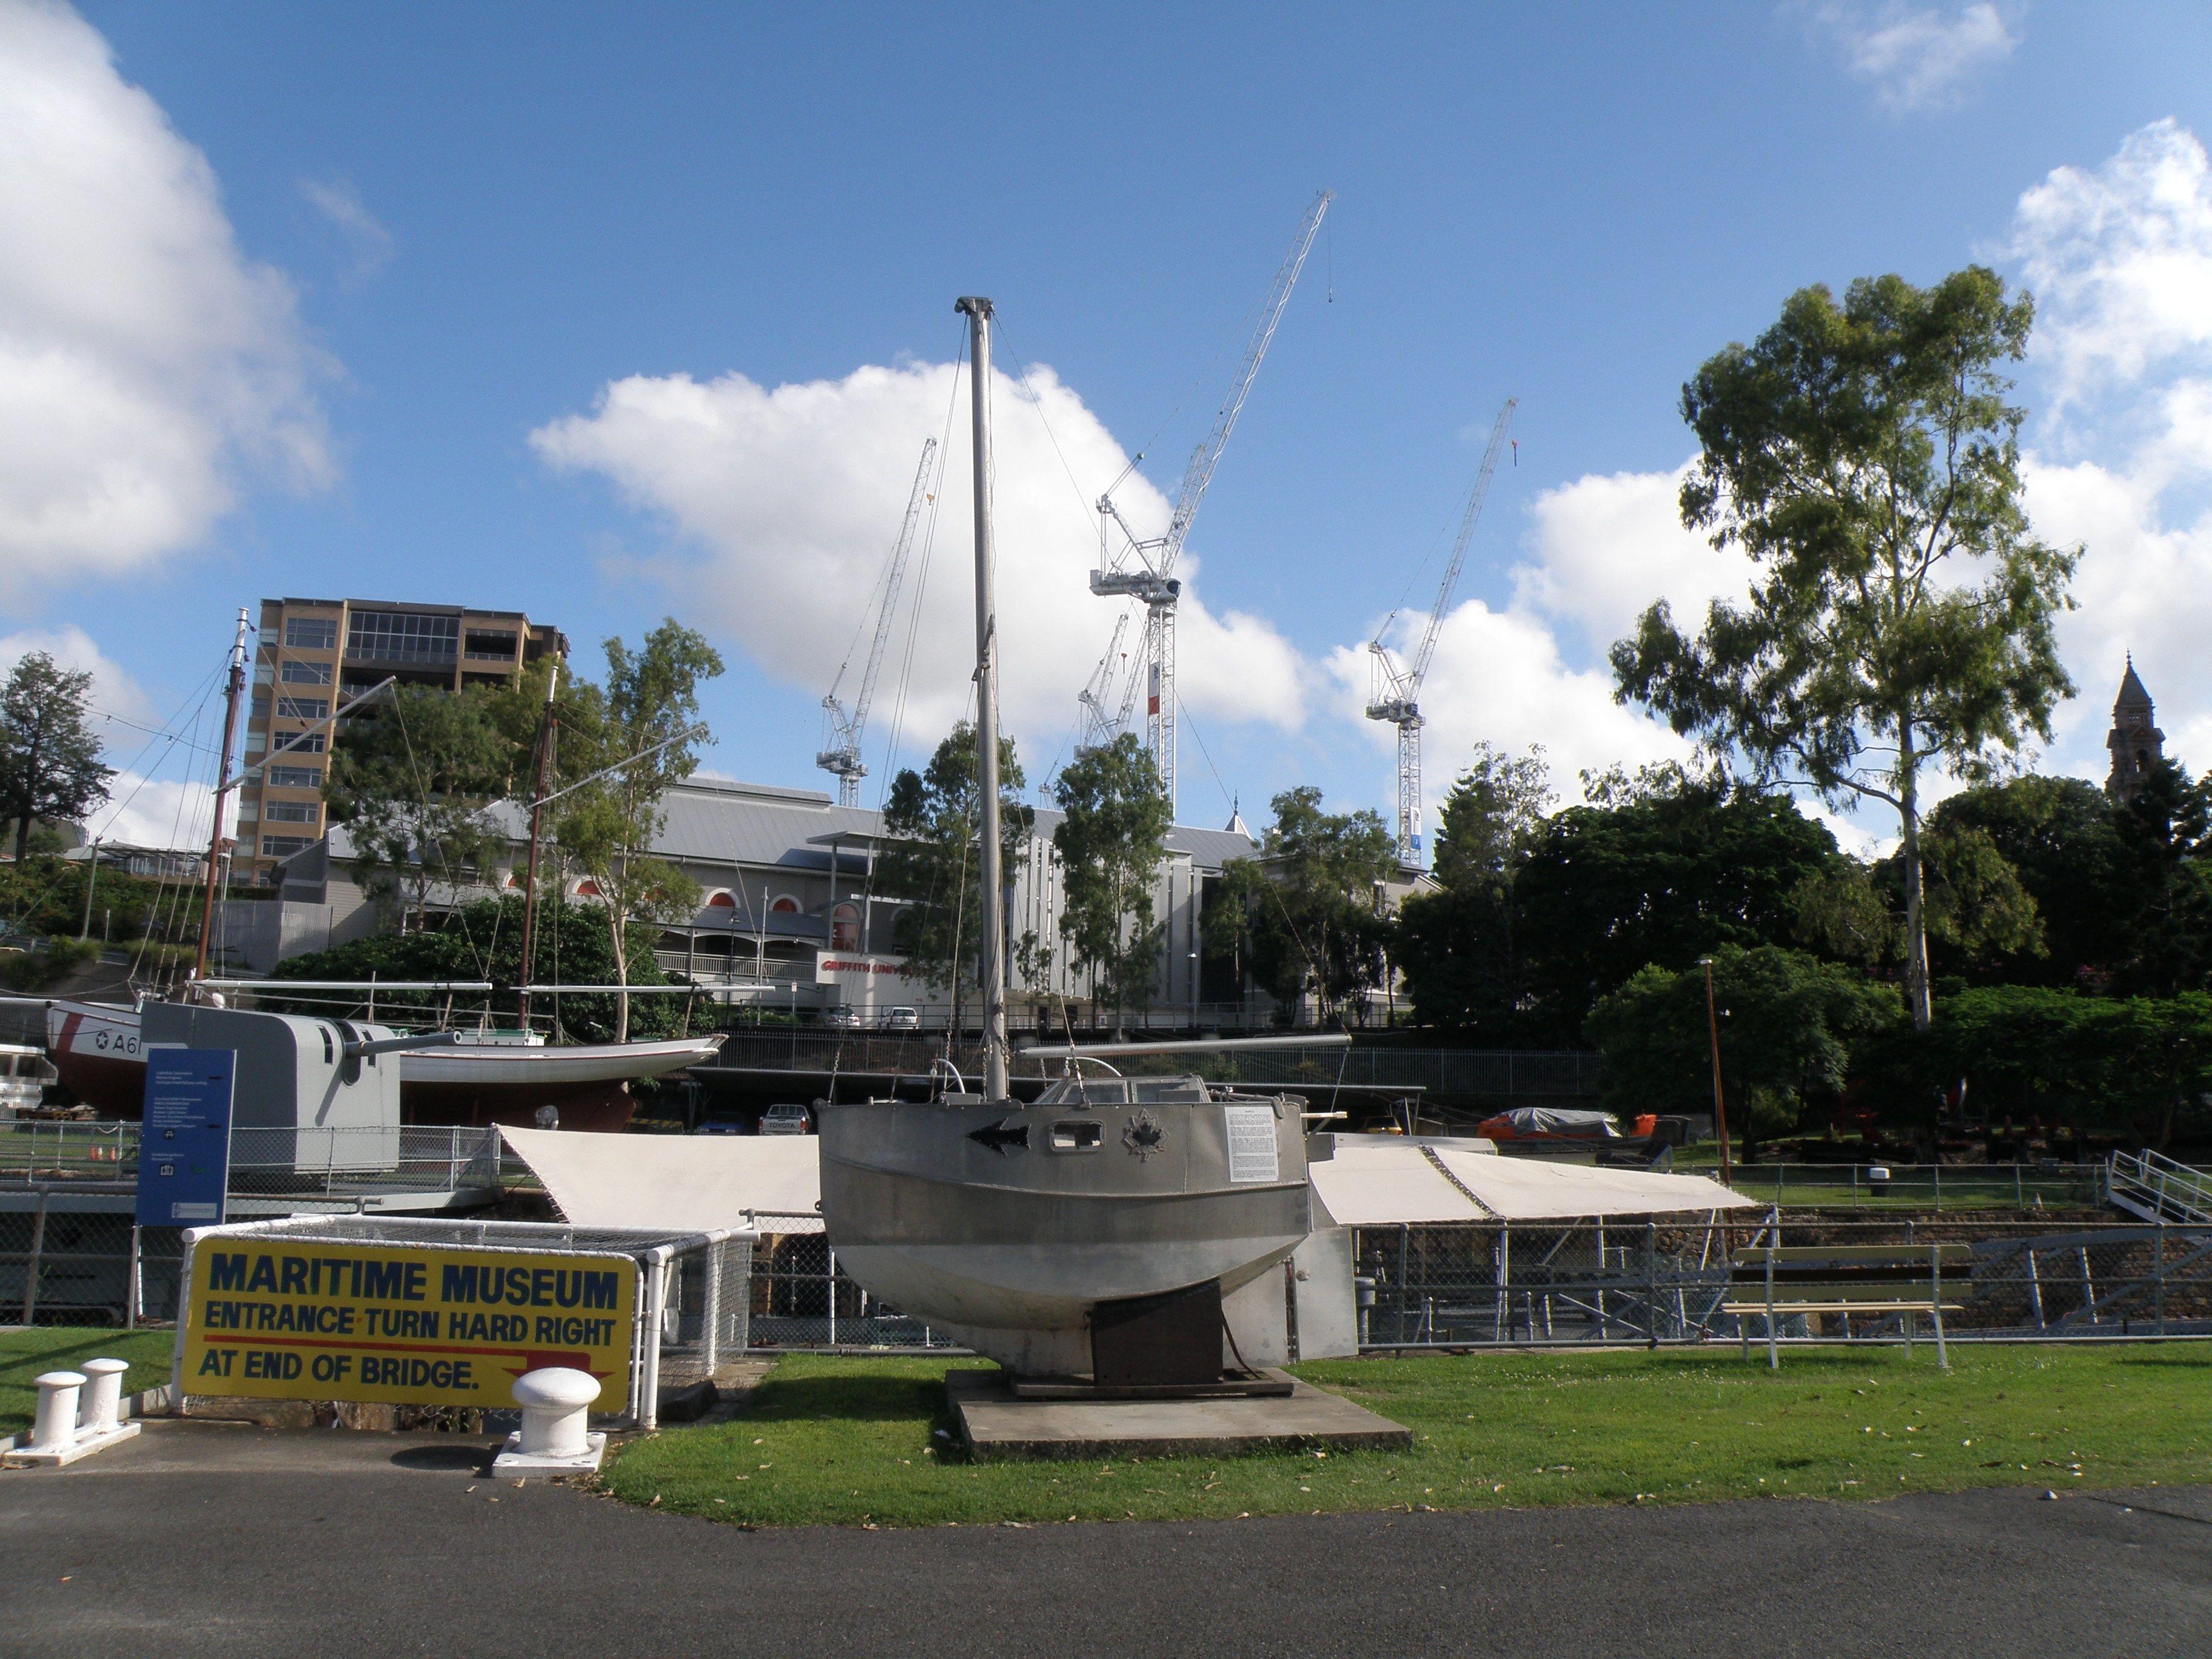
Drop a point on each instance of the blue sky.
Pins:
(426, 241)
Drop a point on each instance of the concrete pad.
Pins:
(513, 1460)
(83, 1446)
(995, 1427)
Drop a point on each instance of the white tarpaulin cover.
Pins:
(672, 1182)
(1378, 1179)
(712, 1181)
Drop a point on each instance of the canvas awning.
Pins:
(704, 1182)
(684, 1181)
(1383, 1179)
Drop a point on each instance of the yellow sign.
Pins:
(286, 1319)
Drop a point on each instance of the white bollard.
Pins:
(54, 1429)
(555, 1402)
(103, 1395)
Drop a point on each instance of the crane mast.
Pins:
(1143, 567)
(1397, 696)
(842, 729)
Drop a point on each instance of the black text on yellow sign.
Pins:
(287, 1320)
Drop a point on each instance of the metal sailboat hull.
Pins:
(1008, 1226)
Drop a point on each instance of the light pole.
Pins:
(1720, 1105)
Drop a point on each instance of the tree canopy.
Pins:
(931, 861)
(1864, 458)
(1306, 916)
(50, 764)
(1111, 841)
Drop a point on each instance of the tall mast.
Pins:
(224, 784)
(993, 963)
(546, 728)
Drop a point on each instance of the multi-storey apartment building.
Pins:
(315, 653)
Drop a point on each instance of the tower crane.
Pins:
(842, 730)
(1143, 567)
(1100, 724)
(1397, 696)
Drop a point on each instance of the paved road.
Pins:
(200, 1539)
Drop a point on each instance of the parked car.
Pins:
(722, 1127)
(787, 1118)
(843, 1018)
(902, 1020)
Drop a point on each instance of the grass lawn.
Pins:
(24, 1355)
(851, 1441)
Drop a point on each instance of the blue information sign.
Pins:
(184, 1142)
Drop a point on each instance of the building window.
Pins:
(845, 927)
(587, 888)
(248, 809)
(306, 673)
(300, 743)
(303, 709)
(400, 636)
(311, 633)
(283, 847)
(783, 905)
(291, 811)
(484, 645)
(720, 899)
(260, 706)
(294, 777)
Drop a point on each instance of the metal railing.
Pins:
(2155, 1186)
(341, 1165)
(1918, 1186)
(1667, 1282)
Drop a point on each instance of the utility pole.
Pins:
(224, 784)
(546, 728)
(1720, 1106)
(993, 958)
(91, 880)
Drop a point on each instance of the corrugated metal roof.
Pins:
(723, 821)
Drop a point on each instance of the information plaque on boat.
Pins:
(1251, 1143)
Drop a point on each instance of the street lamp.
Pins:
(1720, 1105)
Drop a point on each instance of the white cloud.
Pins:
(368, 244)
(1498, 677)
(1607, 546)
(1917, 58)
(115, 695)
(2120, 259)
(144, 360)
(144, 811)
(787, 501)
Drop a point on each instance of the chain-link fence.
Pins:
(801, 1298)
(305, 1169)
(1652, 1282)
(74, 1255)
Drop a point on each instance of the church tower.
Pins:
(2136, 742)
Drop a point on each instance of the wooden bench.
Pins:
(1845, 1278)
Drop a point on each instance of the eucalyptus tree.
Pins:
(627, 744)
(50, 765)
(1112, 841)
(1864, 457)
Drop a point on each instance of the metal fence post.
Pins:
(135, 1289)
(1651, 1283)
(2158, 1286)
(2034, 1289)
(31, 1268)
(1773, 1233)
(714, 1311)
(832, 1288)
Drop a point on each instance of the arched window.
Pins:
(513, 882)
(720, 899)
(783, 905)
(587, 888)
(845, 927)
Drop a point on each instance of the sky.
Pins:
(609, 315)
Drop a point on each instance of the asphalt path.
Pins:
(202, 1539)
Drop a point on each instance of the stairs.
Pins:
(2153, 1186)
